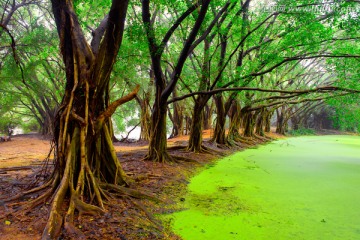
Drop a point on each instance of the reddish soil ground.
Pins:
(21, 160)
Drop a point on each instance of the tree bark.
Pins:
(208, 116)
(86, 160)
(249, 123)
(235, 122)
(177, 119)
(195, 139)
(158, 140)
(260, 119)
(280, 124)
(267, 121)
(219, 131)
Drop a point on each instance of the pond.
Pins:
(296, 188)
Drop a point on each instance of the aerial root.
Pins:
(222, 146)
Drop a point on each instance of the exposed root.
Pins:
(247, 140)
(222, 146)
(129, 192)
(236, 144)
(39, 200)
(184, 159)
(163, 157)
(85, 208)
(176, 148)
(203, 149)
(34, 190)
(263, 139)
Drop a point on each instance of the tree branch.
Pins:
(212, 92)
(177, 23)
(98, 34)
(112, 107)
(184, 53)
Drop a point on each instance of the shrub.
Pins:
(302, 132)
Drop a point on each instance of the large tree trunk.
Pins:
(85, 159)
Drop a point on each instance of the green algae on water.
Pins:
(297, 188)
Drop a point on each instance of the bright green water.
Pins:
(299, 188)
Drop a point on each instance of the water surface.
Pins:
(297, 188)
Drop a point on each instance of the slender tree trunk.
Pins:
(47, 125)
(267, 121)
(195, 139)
(249, 124)
(235, 122)
(207, 116)
(280, 124)
(157, 145)
(177, 119)
(219, 131)
(158, 140)
(188, 123)
(261, 118)
(295, 122)
(145, 115)
(145, 120)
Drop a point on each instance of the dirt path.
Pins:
(28, 149)
(23, 150)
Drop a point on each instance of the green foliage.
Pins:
(347, 118)
(126, 116)
(293, 33)
(7, 123)
(302, 132)
(29, 125)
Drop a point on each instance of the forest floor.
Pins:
(22, 159)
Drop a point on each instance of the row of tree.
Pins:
(190, 65)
